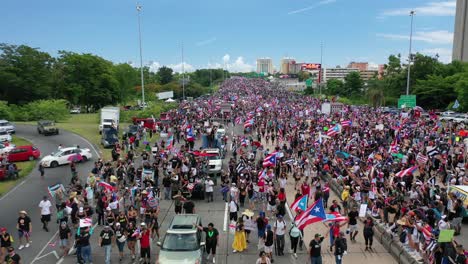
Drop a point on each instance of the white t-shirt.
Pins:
(209, 185)
(232, 207)
(280, 227)
(45, 207)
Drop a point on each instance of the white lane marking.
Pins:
(52, 252)
(289, 212)
(87, 141)
(60, 260)
(225, 217)
(45, 246)
(72, 248)
(14, 189)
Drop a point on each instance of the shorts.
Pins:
(268, 249)
(178, 209)
(145, 252)
(271, 207)
(120, 245)
(45, 218)
(457, 221)
(63, 242)
(142, 210)
(353, 228)
(23, 233)
(211, 248)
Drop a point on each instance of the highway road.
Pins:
(28, 193)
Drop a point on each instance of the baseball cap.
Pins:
(317, 235)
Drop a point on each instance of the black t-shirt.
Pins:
(106, 236)
(63, 232)
(5, 240)
(188, 206)
(130, 232)
(23, 223)
(272, 199)
(15, 259)
(261, 223)
(174, 162)
(353, 217)
(460, 259)
(335, 208)
(269, 238)
(83, 239)
(211, 236)
(315, 247)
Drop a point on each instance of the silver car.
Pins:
(183, 241)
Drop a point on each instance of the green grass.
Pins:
(25, 166)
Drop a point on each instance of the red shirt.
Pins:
(282, 196)
(145, 239)
(305, 189)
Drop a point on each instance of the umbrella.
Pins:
(342, 155)
(75, 158)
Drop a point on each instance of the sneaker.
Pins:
(27, 245)
(234, 251)
(214, 261)
(20, 247)
(133, 257)
(295, 255)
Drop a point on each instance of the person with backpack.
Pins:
(295, 235)
(340, 248)
(279, 231)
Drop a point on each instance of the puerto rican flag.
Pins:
(248, 123)
(85, 222)
(335, 217)
(300, 203)
(315, 213)
(408, 171)
(106, 186)
(262, 174)
(251, 114)
(346, 123)
(170, 142)
(270, 160)
(394, 146)
(421, 158)
(189, 132)
(335, 130)
(238, 120)
(244, 142)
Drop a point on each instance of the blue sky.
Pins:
(232, 32)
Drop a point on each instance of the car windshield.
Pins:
(4, 124)
(213, 157)
(180, 242)
(3, 133)
(48, 123)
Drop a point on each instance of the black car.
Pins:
(47, 127)
(132, 130)
(110, 137)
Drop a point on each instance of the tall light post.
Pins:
(409, 55)
(183, 73)
(138, 8)
(321, 68)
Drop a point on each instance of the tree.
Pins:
(335, 87)
(165, 75)
(303, 75)
(127, 78)
(375, 92)
(461, 88)
(436, 91)
(353, 83)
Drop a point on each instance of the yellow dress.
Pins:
(240, 241)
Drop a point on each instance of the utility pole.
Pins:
(138, 7)
(183, 73)
(321, 66)
(409, 55)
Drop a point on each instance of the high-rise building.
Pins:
(285, 62)
(337, 73)
(460, 36)
(362, 66)
(265, 65)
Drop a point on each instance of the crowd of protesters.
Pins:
(400, 164)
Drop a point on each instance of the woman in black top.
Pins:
(5, 242)
(368, 233)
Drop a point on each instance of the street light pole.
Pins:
(409, 55)
(321, 66)
(138, 7)
(183, 73)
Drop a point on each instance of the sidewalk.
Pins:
(356, 250)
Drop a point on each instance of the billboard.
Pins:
(165, 95)
(310, 66)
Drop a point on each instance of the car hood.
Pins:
(179, 257)
(49, 128)
(48, 158)
(215, 162)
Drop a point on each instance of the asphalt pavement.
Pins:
(29, 192)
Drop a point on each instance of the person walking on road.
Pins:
(233, 208)
(315, 249)
(212, 240)
(279, 229)
(120, 239)
(295, 235)
(263, 259)
(209, 189)
(65, 235)
(45, 206)
(106, 239)
(145, 246)
(269, 240)
(5, 242)
(340, 248)
(24, 227)
(368, 232)
(41, 170)
(352, 224)
(12, 257)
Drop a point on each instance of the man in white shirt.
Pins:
(209, 188)
(45, 205)
(279, 229)
(233, 211)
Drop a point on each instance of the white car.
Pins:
(5, 136)
(66, 156)
(4, 124)
(75, 110)
(461, 119)
(4, 149)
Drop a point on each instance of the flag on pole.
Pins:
(313, 214)
(335, 130)
(170, 142)
(456, 104)
(346, 123)
(300, 203)
(190, 136)
(335, 217)
(85, 222)
(238, 120)
(106, 186)
(408, 171)
(270, 160)
(421, 158)
(248, 123)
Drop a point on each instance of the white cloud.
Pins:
(154, 66)
(444, 8)
(323, 2)
(445, 55)
(373, 66)
(206, 42)
(436, 37)
(178, 67)
(226, 58)
(239, 65)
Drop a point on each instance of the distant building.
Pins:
(285, 62)
(362, 66)
(460, 36)
(265, 65)
(337, 73)
(369, 74)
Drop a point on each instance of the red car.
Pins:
(23, 153)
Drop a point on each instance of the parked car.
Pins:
(66, 156)
(47, 127)
(4, 135)
(183, 242)
(5, 124)
(24, 153)
(462, 118)
(110, 136)
(131, 130)
(6, 147)
(75, 110)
